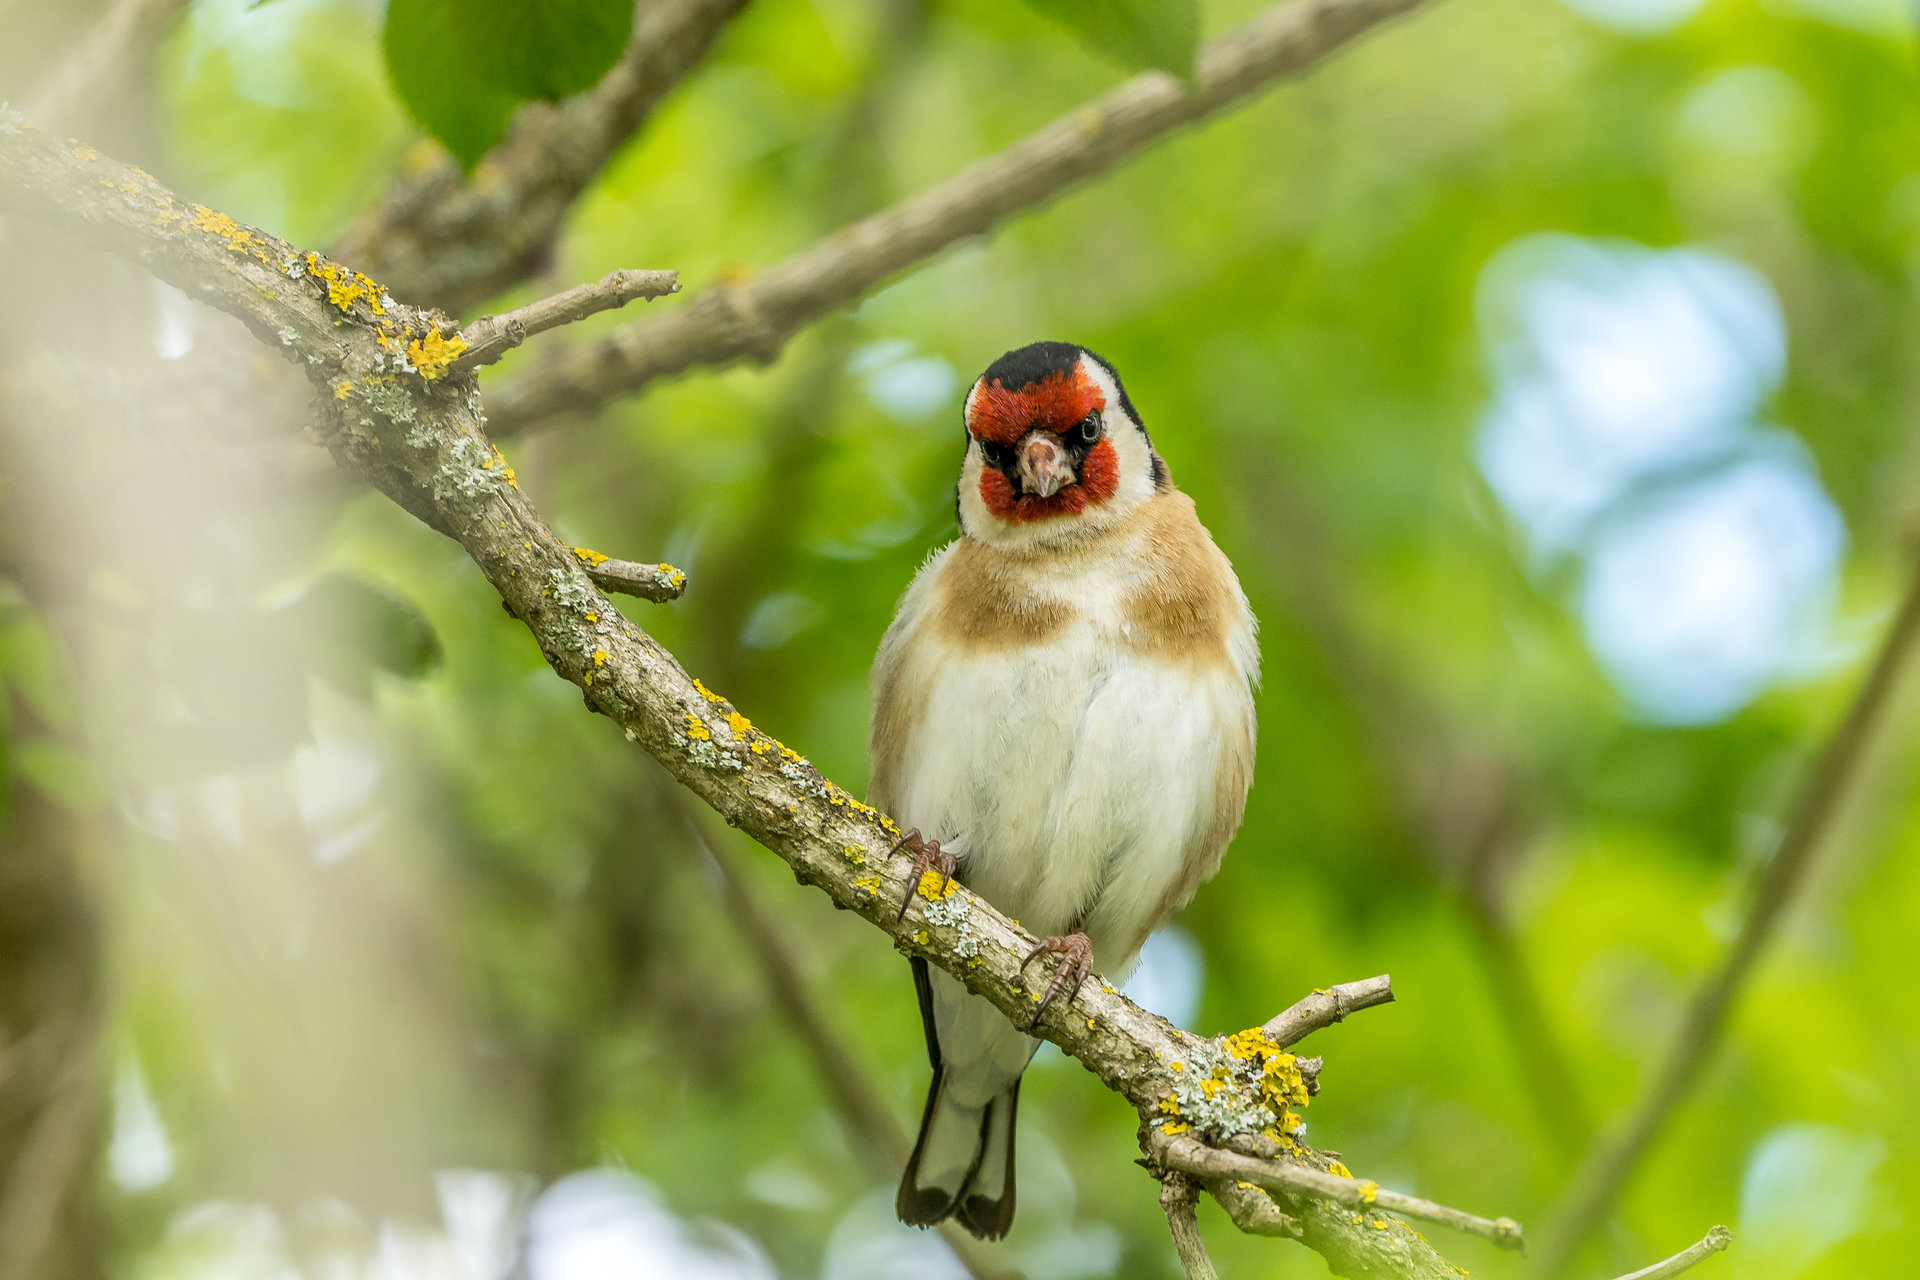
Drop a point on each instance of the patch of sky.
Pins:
(1635, 17)
(1624, 436)
(1808, 1188)
(906, 387)
(139, 1155)
(606, 1222)
(1169, 977)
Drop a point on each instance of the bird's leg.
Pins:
(1076, 960)
(927, 856)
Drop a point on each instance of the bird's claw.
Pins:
(1076, 960)
(927, 856)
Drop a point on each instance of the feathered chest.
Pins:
(1062, 719)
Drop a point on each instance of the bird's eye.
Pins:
(997, 455)
(1090, 427)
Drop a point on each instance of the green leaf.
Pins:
(547, 48)
(1140, 35)
(462, 67)
(426, 49)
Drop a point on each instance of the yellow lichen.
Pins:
(697, 729)
(1337, 1169)
(432, 354)
(1369, 1192)
(933, 886)
(674, 577)
(738, 723)
(853, 854)
(922, 937)
(81, 151)
(589, 557)
(213, 222)
(870, 883)
(705, 692)
(343, 389)
(599, 657)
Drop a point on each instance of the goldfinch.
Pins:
(1063, 714)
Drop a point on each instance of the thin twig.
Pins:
(729, 322)
(1325, 1007)
(1713, 1242)
(1180, 1201)
(656, 582)
(1611, 1161)
(1191, 1156)
(438, 237)
(491, 337)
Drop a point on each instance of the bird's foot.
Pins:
(1076, 962)
(927, 856)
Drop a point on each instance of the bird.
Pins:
(1063, 721)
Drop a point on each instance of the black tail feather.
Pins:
(986, 1212)
(988, 1215)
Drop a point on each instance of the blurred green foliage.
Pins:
(1289, 292)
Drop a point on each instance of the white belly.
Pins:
(1070, 779)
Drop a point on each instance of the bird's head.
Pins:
(1054, 448)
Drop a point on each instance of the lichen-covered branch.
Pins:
(1716, 1240)
(491, 337)
(755, 318)
(1211, 1164)
(393, 410)
(444, 239)
(656, 582)
(1612, 1160)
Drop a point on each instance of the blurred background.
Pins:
(1544, 367)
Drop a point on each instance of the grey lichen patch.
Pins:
(569, 590)
(471, 473)
(954, 910)
(397, 407)
(1219, 1094)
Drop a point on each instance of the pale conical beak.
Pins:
(1043, 465)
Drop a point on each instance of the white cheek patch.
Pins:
(1129, 441)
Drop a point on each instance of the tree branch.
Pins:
(1210, 1164)
(728, 322)
(1611, 1161)
(1325, 1007)
(1716, 1239)
(491, 337)
(454, 242)
(1179, 1200)
(412, 428)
